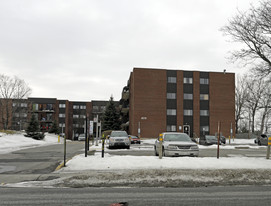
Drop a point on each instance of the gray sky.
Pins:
(84, 50)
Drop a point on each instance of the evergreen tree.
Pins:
(33, 129)
(111, 117)
(54, 129)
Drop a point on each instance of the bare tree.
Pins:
(265, 104)
(241, 96)
(255, 88)
(11, 88)
(253, 30)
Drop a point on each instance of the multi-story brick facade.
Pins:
(69, 115)
(171, 100)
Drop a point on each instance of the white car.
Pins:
(119, 139)
(81, 137)
(176, 144)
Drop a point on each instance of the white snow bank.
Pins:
(95, 162)
(9, 143)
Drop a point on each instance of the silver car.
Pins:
(119, 139)
(262, 139)
(176, 144)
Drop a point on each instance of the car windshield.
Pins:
(134, 137)
(177, 137)
(119, 134)
(208, 137)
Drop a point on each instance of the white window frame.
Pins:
(76, 107)
(62, 115)
(188, 80)
(204, 81)
(172, 79)
(62, 105)
(204, 97)
(171, 95)
(187, 96)
(188, 112)
(171, 128)
(171, 112)
(204, 112)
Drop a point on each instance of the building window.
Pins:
(49, 117)
(62, 115)
(204, 97)
(76, 125)
(75, 116)
(187, 96)
(171, 128)
(49, 107)
(35, 107)
(188, 112)
(24, 115)
(171, 112)
(171, 79)
(83, 107)
(187, 80)
(204, 81)
(95, 108)
(23, 104)
(204, 128)
(171, 95)
(75, 106)
(103, 108)
(61, 124)
(83, 116)
(16, 115)
(62, 105)
(204, 112)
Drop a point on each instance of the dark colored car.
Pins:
(134, 139)
(208, 140)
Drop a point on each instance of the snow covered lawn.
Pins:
(10, 143)
(110, 162)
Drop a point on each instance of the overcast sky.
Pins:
(84, 50)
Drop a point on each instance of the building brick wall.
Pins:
(148, 98)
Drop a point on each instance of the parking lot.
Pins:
(237, 148)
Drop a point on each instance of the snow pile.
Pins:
(112, 162)
(10, 143)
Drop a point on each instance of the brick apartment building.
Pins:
(173, 100)
(70, 115)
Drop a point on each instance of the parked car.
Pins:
(262, 139)
(134, 139)
(223, 139)
(81, 137)
(119, 139)
(208, 140)
(176, 144)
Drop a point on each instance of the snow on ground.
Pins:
(10, 143)
(110, 162)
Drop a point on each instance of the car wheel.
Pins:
(128, 147)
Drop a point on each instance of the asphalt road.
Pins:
(29, 164)
(245, 195)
